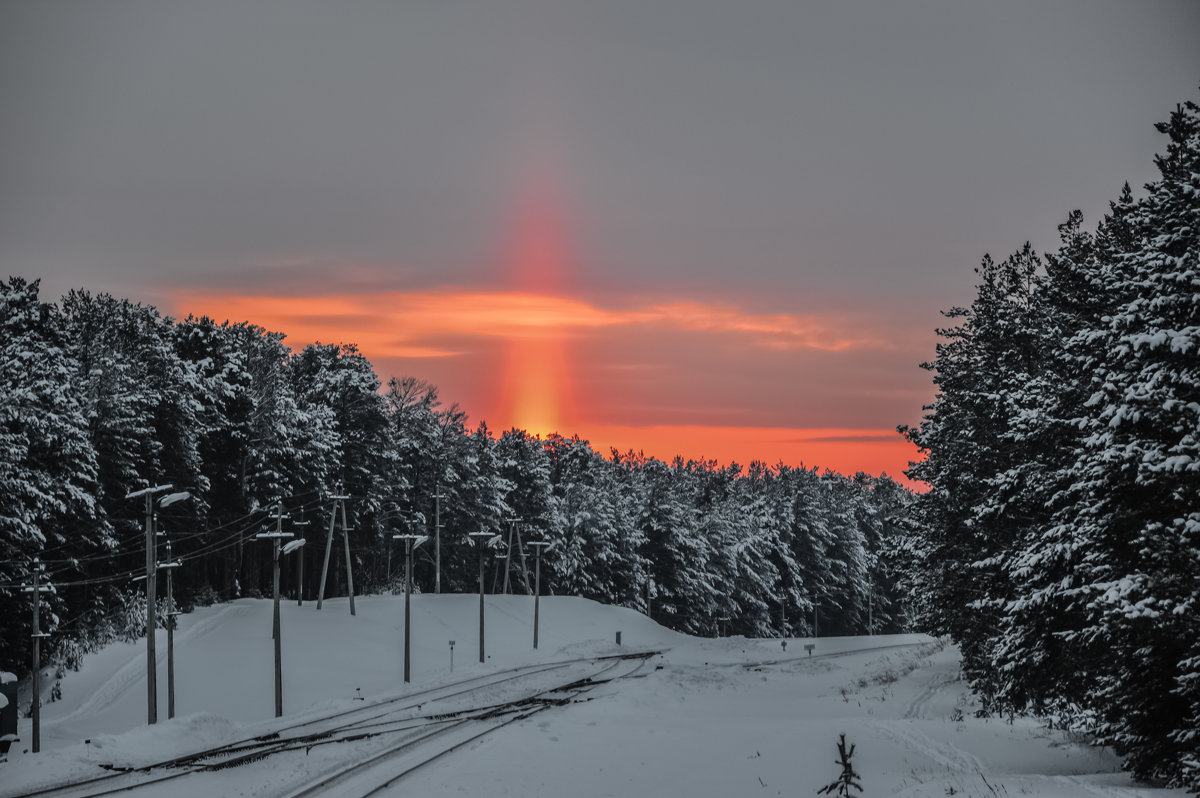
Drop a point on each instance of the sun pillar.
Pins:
(537, 375)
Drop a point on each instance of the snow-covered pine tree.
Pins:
(338, 377)
(1038, 667)
(1140, 472)
(981, 371)
(47, 464)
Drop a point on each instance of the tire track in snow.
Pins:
(1102, 791)
(945, 754)
(122, 681)
(916, 709)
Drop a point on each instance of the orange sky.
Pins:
(669, 374)
(670, 225)
(531, 360)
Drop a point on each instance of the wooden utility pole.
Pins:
(35, 706)
(151, 598)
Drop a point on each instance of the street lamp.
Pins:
(482, 539)
(538, 547)
(411, 541)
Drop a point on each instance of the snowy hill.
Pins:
(705, 717)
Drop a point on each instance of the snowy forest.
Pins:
(101, 397)
(1063, 458)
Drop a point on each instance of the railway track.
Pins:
(405, 722)
(829, 655)
(380, 771)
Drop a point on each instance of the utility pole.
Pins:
(480, 538)
(871, 610)
(515, 530)
(275, 537)
(538, 547)
(151, 598)
(349, 564)
(36, 704)
(339, 504)
(411, 541)
(437, 537)
(300, 578)
(169, 566)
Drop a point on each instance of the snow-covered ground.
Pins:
(727, 717)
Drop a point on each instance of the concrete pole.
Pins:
(349, 565)
(278, 531)
(407, 615)
(151, 616)
(480, 539)
(537, 593)
(437, 537)
(410, 541)
(170, 636)
(276, 634)
(328, 547)
(278, 644)
(481, 601)
(300, 577)
(538, 546)
(35, 706)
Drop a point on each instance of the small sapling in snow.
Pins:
(848, 778)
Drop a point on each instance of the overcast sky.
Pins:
(711, 214)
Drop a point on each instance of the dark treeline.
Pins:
(1063, 452)
(101, 397)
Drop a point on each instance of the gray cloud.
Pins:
(790, 156)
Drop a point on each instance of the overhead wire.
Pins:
(224, 542)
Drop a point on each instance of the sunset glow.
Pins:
(510, 359)
(847, 451)
(668, 373)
